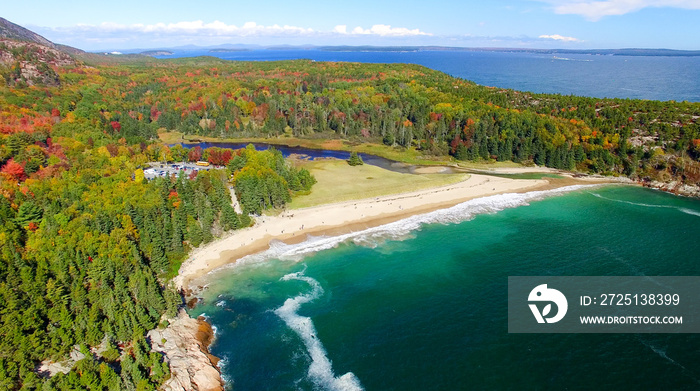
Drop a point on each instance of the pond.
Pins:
(312, 154)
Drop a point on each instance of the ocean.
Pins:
(642, 77)
(421, 304)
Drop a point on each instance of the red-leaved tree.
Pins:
(195, 154)
(15, 170)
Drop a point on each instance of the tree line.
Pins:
(402, 106)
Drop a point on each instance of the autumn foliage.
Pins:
(14, 170)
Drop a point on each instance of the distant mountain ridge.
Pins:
(658, 52)
(601, 52)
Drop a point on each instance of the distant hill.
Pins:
(25, 63)
(601, 52)
(370, 48)
(27, 58)
(9, 30)
(34, 53)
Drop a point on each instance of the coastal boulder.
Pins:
(185, 346)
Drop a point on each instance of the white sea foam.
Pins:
(683, 210)
(690, 211)
(633, 203)
(397, 230)
(222, 364)
(221, 303)
(320, 369)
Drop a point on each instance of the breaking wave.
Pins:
(222, 365)
(690, 211)
(320, 369)
(397, 230)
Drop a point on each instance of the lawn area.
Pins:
(338, 181)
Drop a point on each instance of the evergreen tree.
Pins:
(355, 159)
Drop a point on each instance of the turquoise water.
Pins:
(421, 304)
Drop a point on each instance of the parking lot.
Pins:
(162, 170)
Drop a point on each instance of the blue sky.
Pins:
(580, 24)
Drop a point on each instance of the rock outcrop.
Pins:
(675, 187)
(49, 368)
(27, 58)
(31, 64)
(16, 32)
(185, 345)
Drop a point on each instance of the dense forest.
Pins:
(88, 245)
(402, 106)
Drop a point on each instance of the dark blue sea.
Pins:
(601, 76)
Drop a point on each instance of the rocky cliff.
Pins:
(27, 58)
(185, 345)
(27, 63)
(16, 32)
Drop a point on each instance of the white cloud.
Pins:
(197, 27)
(595, 10)
(113, 36)
(558, 37)
(221, 29)
(382, 30)
(341, 29)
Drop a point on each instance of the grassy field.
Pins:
(338, 181)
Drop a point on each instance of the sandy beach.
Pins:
(338, 218)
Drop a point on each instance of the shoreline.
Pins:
(294, 226)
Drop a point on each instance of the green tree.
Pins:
(355, 159)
